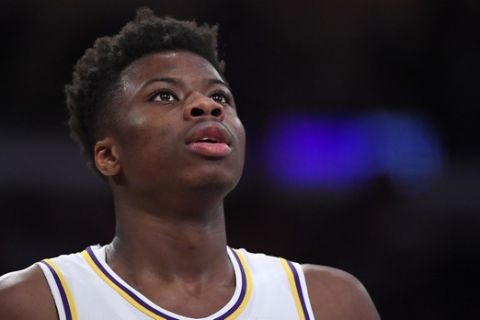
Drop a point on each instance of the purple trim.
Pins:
(299, 289)
(66, 305)
(244, 285)
(121, 286)
(158, 312)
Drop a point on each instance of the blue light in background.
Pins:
(314, 151)
(307, 151)
(408, 150)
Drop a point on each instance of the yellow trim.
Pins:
(294, 289)
(248, 283)
(118, 290)
(126, 296)
(68, 293)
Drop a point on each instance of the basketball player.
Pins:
(155, 117)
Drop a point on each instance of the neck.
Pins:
(185, 242)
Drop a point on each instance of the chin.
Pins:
(214, 181)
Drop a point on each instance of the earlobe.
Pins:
(106, 157)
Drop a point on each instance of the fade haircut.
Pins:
(97, 73)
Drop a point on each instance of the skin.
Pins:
(175, 197)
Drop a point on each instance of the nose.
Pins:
(203, 106)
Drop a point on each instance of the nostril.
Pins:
(216, 112)
(196, 112)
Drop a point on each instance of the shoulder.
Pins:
(25, 294)
(335, 294)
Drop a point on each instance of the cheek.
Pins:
(240, 133)
(144, 141)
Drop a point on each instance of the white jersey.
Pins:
(84, 287)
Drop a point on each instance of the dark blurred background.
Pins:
(361, 119)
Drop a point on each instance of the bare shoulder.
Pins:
(337, 295)
(25, 294)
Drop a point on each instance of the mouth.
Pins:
(210, 140)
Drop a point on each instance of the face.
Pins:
(177, 126)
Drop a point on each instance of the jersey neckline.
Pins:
(95, 257)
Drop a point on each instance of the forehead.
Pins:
(169, 64)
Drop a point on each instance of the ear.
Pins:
(106, 157)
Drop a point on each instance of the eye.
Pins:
(163, 96)
(220, 98)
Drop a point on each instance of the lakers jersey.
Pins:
(84, 287)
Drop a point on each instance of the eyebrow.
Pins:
(176, 81)
(164, 79)
(220, 82)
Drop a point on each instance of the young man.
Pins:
(156, 118)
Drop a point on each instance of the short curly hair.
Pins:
(96, 74)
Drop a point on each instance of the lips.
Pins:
(209, 139)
